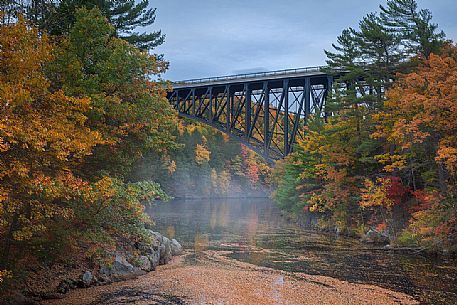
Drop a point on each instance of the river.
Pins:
(248, 227)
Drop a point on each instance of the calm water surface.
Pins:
(256, 233)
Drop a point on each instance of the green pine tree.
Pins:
(125, 15)
(413, 26)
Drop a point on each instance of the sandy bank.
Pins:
(215, 279)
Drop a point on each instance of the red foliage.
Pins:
(423, 199)
(396, 191)
(252, 169)
(381, 227)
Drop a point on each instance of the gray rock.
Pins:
(148, 249)
(176, 248)
(165, 251)
(63, 287)
(87, 278)
(121, 266)
(105, 271)
(157, 238)
(154, 258)
(67, 284)
(144, 263)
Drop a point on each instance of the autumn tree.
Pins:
(76, 116)
(202, 154)
(340, 169)
(420, 119)
(43, 135)
(130, 112)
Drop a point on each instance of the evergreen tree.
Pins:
(413, 26)
(370, 58)
(124, 15)
(58, 16)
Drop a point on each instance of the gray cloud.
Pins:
(220, 37)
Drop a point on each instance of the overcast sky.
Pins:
(221, 37)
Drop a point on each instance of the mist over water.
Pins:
(254, 231)
(200, 185)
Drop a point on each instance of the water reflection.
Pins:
(255, 232)
(201, 243)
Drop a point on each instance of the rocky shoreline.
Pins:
(126, 265)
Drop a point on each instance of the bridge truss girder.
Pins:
(268, 116)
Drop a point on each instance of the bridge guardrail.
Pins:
(250, 75)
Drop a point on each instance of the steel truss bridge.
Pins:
(266, 111)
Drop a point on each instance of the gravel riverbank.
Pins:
(212, 278)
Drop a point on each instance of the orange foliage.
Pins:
(42, 134)
(252, 168)
(421, 108)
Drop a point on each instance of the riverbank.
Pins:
(212, 278)
(52, 281)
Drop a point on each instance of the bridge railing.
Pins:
(250, 75)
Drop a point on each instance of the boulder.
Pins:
(63, 287)
(176, 248)
(87, 278)
(144, 263)
(165, 251)
(148, 249)
(375, 237)
(105, 271)
(67, 284)
(154, 258)
(121, 266)
(157, 238)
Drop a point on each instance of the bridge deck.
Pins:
(250, 77)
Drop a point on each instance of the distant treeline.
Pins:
(208, 164)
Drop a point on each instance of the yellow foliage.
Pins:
(375, 194)
(391, 162)
(5, 274)
(224, 181)
(171, 168)
(42, 134)
(202, 154)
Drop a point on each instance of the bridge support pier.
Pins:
(285, 88)
(266, 117)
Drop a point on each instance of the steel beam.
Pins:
(229, 108)
(298, 114)
(286, 117)
(307, 93)
(177, 100)
(210, 103)
(266, 116)
(248, 107)
(193, 101)
(278, 112)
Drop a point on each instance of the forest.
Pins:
(381, 157)
(88, 138)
